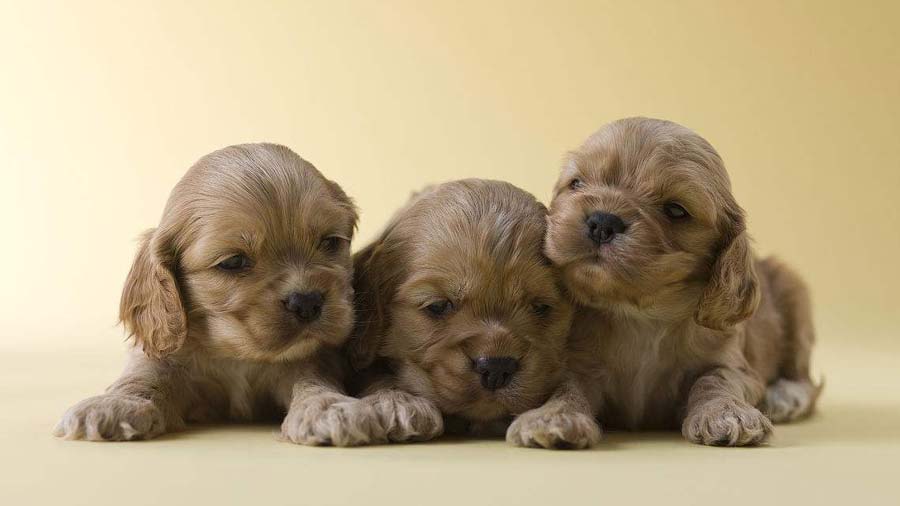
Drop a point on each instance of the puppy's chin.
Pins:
(634, 283)
(460, 393)
(232, 338)
(475, 403)
(511, 400)
(594, 276)
(591, 283)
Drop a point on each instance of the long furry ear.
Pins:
(732, 292)
(151, 308)
(346, 202)
(372, 295)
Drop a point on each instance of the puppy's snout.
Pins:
(306, 306)
(496, 372)
(603, 227)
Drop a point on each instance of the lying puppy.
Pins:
(459, 312)
(679, 324)
(238, 304)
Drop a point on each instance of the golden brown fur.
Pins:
(476, 244)
(678, 325)
(215, 343)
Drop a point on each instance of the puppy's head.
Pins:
(251, 260)
(459, 297)
(643, 221)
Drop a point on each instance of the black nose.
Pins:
(496, 372)
(307, 306)
(602, 227)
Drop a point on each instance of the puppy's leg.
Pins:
(405, 417)
(566, 421)
(142, 404)
(793, 396)
(319, 413)
(720, 410)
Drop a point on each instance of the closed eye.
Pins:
(331, 244)
(540, 309)
(235, 263)
(439, 308)
(675, 211)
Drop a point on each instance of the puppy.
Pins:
(678, 325)
(459, 312)
(238, 304)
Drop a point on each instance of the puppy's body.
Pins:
(238, 304)
(679, 325)
(460, 311)
(641, 370)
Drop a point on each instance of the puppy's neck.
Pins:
(625, 319)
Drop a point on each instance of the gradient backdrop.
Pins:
(104, 105)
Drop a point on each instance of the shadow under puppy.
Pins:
(678, 325)
(238, 304)
(459, 312)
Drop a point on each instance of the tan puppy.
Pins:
(238, 303)
(460, 312)
(679, 326)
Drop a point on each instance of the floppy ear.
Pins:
(732, 292)
(151, 308)
(372, 294)
(346, 202)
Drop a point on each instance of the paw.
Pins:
(787, 400)
(555, 429)
(111, 417)
(335, 420)
(406, 417)
(726, 423)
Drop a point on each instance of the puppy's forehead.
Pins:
(473, 233)
(649, 151)
(476, 221)
(261, 191)
(481, 278)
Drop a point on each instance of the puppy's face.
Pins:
(643, 221)
(477, 322)
(258, 243)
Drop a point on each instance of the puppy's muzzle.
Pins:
(306, 306)
(602, 227)
(496, 372)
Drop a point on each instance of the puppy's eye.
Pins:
(439, 309)
(540, 309)
(331, 244)
(575, 184)
(234, 263)
(675, 211)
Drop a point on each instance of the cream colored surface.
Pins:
(103, 106)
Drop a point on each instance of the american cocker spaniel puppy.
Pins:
(678, 325)
(238, 304)
(459, 313)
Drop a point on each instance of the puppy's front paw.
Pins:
(332, 420)
(111, 417)
(726, 423)
(553, 428)
(406, 417)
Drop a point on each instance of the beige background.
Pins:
(103, 106)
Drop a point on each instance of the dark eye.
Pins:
(439, 309)
(331, 244)
(675, 211)
(540, 309)
(576, 184)
(234, 263)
